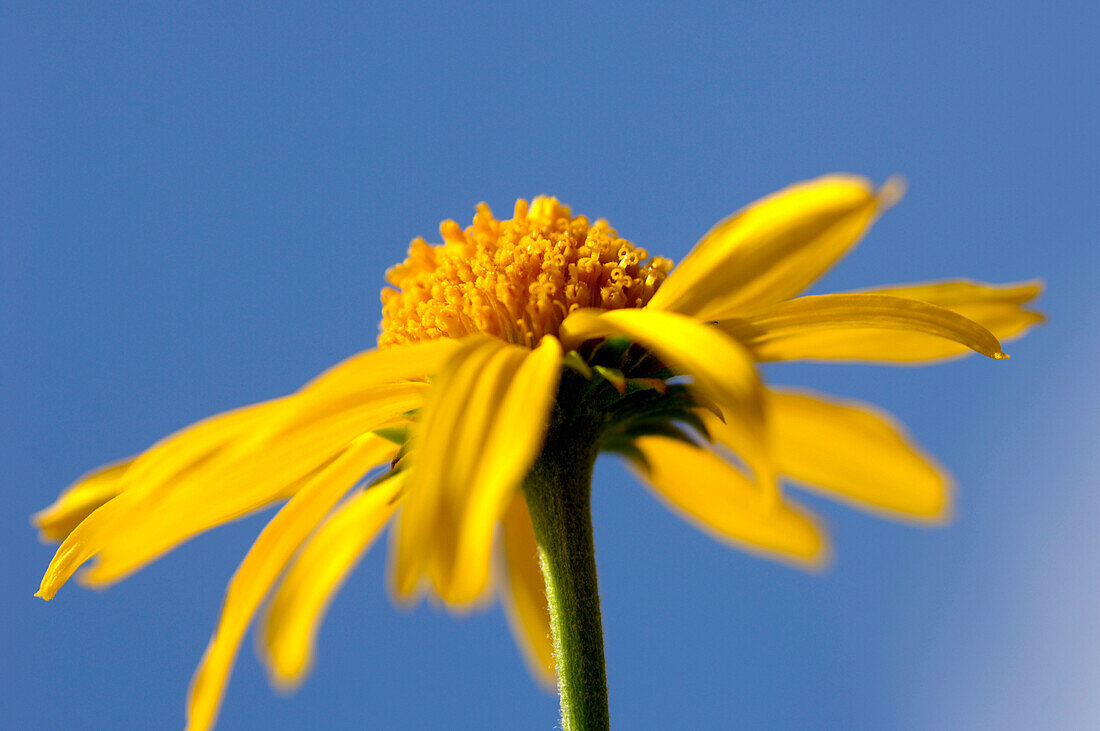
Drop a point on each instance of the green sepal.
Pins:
(613, 376)
(656, 414)
(629, 450)
(575, 362)
(611, 351)
(396, 434)
(646, 384)
(656, 428)
(650, 404)
(693, 420)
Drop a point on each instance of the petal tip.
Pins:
(49, 586)
(286, 676)
(404, 594)
(937, 510)
(818, 560)
(944, 517)
(892, 191)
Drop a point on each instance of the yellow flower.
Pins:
(545, 324)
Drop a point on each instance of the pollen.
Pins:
(515, 279)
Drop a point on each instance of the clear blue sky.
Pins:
(197, 206)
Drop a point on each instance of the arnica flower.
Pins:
(509, 357)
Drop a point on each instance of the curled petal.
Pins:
(1001, 309)
(513, 437)
(480, 431)
(774, 248)
(466, 449)
(434, 457)
(789, 330)
(78, 500)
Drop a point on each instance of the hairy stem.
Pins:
(558, 490)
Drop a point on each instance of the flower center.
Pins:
(514, 279)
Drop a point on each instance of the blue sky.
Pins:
(198, 206)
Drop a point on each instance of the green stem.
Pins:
(558, 490)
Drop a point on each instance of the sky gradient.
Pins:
(197, 207)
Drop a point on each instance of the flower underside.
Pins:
(622, 393)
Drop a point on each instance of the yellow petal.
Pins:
(789, 330)
(222, 490)
(343, 388)
(202, 477)
(212, 446)
(432, 456)
(265, 561)
(78, 500)
(479, 432)
(712, 494)
(345, 385)
(514, 434)
(525, 594)
(195, 445)
(998, 308)
(463, 448)
(856, 453)
(774, 248)
(373, 367)
(170, 457)
(289, 627)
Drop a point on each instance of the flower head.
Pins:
(515, 280)
(509, 340)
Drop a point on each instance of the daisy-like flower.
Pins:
(510, 356)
